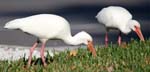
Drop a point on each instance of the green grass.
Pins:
(132, 57)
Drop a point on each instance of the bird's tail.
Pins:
(12, 25)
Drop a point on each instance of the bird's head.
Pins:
(85, 38)
(135, 26)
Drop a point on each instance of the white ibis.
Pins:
(116, 17)
(49, 26)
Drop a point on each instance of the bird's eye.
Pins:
(135, 26)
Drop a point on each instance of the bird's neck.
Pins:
(72, 40)
(126, 29)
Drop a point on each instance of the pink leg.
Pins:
(106, 39)
(31, 51)
(119, 39)
(42, 53)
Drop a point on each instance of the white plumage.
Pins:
(44, 26)
(49, 26)
(119, 18)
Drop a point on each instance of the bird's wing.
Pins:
(113, 16)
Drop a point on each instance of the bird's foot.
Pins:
(119, 42)
(45, 65)
(29, 63)
(119, 39)
(106, 44)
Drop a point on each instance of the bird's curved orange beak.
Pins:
(91, 48)
(139, 33)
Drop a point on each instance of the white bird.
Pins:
(49, 26)
(116, 17)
